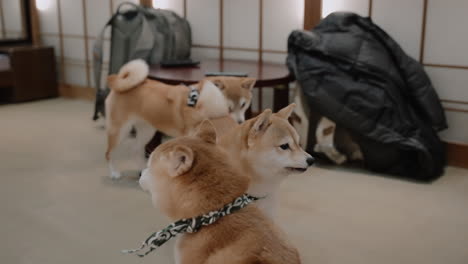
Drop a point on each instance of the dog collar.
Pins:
(191, 225)
(192, 98)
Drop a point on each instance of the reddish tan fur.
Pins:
(223, 124)
(161, 105)
(148, 105)
(190, 176)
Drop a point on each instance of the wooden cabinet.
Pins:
(27, 73)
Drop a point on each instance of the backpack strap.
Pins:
(98, 54)
(99, 45)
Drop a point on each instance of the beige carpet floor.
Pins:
(59, 206)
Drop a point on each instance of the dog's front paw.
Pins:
(357, 155)
(338, 158)
(115, 175)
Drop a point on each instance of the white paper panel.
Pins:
(275, 57)
(13, 34)
(279, 19)
(73, 48)
(360, 7)
(48, 19)
(446, 32)
(97, 13)
(116, 4)
(254, 103)
(458, 130)
(450, 83)
(12, 16)
(241, 23)
(75, 75)
(202, 53)
(174, 5)
(203, 16)
(267, 99)
(241, 55)
(402, 19)
(53, 41)
(72, 17)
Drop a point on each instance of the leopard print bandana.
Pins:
(191, 225)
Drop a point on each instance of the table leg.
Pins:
(154, 142)
(280, 97)
(248, 112)
(260, 99)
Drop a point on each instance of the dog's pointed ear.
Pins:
(206, 132)
(180, 161)
(260, 125)
(248, 83)
(287, 111)
(218, 83)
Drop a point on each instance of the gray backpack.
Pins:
(153, 35)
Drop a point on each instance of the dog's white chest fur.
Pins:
(177, 252)
(270, 193)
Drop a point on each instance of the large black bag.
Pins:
(356, 75)
(144, 33)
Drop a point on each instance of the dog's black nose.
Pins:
(310, 161)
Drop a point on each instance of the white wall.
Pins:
(405, 27)
(12, 17)
(445, 45)
(446, 42)
(360, 7)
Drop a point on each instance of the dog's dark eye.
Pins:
(242, 105)
(284, 146)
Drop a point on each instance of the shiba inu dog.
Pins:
(148, 105)
(191, 176)
(266, 148)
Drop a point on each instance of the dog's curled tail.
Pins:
(130, 75)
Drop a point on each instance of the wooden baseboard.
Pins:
(457, 155)
(77, 92)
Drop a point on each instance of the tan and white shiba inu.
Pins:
(149, 105)
(266, 148)
(190, 176)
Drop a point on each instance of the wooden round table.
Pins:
(267, 74)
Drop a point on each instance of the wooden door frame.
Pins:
(312, 13)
